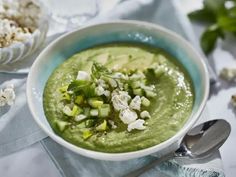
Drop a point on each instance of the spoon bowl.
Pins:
(199, 142)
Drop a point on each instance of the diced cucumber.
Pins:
(104, 110)
(63, 89)
(80, 117)
(138, 91)
(66, 96)
(102, 126)
(150, 93)
(86, 111)
(79, 99)
(145, 101)
(61, 125)
(67, 111)
(87, 134)
(126, 86)
(159, 71)
(90, 123)
(94, 112)
(135, 84)
(95, 103)
(75, 110)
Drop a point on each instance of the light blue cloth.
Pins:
(18, 130)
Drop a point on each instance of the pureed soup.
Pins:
(118, 98)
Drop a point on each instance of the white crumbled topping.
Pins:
(120, 100)
(128, 116)
(83, 75)
(138, 124)
(107, 93)
(112, 123)
(80, 117)
(7, 96)
(99, 90)
(118, 75)
(102, 83)
(18, 19)
(137, 76)
(147, 88)
(135, 103)
(145, 114)
(228, 74)
(112, 83)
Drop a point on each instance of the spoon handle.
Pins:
(152, 164)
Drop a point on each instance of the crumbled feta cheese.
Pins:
(145, 114)
(127, 116)
(135, 103)
(83, 75)
(99, 90)
(120, 100)
(107, 93)
(137, 76)
(102, 83)
(228, 74)
(138, 124)
(118, 75)
(112, 123)
(80, 117)
(112, 83)
(147, 88)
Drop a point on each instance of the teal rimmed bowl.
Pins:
(117, 31)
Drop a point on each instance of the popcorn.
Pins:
(228, 74)
(7, 96)
(18, 20)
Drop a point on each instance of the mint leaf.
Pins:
(202, 15)
(215, 6)
(209, 38)
(227, 23)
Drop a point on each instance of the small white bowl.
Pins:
(20, 50)
(119, 31)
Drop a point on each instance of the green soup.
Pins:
(169, 109)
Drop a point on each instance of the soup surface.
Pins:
(118, 98)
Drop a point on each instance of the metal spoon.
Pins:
(200, 141)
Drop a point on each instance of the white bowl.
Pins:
(118, 31)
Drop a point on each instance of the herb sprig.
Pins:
(220, 16)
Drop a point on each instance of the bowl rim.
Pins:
(124, 155)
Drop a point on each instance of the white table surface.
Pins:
(34, 162)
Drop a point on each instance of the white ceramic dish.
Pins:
(119, 31)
